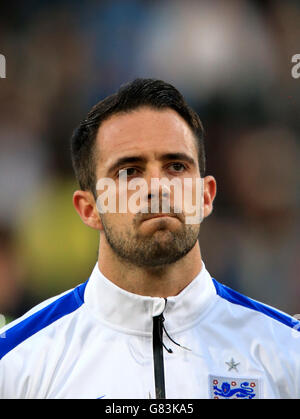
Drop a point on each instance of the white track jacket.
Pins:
(100, 341)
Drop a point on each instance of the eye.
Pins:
(177, 167)
(129, 171)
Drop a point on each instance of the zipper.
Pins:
(158, 354)
(158, 357)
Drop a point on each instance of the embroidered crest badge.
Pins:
(233, 388)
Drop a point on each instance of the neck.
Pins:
(163, 281)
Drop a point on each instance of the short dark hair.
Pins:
(152, 93)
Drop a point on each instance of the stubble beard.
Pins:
(160, 249)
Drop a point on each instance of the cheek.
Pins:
(132, 197)
(117, 222)
(192, 200)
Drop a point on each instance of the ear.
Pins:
(209, 193)
(85, 205)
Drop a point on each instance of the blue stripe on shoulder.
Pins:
(240, 299)
(41, 319)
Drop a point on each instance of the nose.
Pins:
(157, 190)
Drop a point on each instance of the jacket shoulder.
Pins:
(267, 311)
(40, 317)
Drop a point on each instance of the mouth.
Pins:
(152, 216)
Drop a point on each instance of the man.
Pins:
(150, 322)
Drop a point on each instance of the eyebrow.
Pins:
(126, 160)
(140, 159)
(179, 156)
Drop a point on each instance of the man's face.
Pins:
(148, 144)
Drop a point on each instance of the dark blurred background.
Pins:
(231, 60)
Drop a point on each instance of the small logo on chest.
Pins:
(233, 388)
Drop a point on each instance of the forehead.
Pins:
(144, 131)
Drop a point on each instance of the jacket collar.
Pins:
(132, 313)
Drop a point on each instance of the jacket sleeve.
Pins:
(11, 369)
(6, 379)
